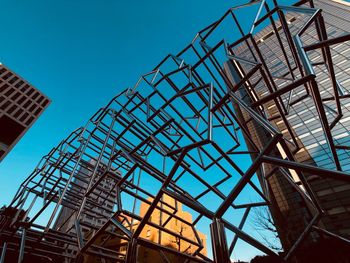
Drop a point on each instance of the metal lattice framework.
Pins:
(177, 133)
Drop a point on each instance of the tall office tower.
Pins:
(20, 106)
(97, 213)
(304, 128)
(99, 205)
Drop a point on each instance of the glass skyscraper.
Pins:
(305, 134)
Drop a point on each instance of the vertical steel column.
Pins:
(132, 254)
(219, 242)
(21, 249)
(3, 253)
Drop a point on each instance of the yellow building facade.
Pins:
(182, 228)
(177, 233)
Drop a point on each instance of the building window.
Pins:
(8, 136)
(336, 210)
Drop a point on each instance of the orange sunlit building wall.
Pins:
(177, 234)
(182, 227)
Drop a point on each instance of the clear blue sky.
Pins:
(80, 53)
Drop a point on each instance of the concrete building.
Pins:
(98, 207)
(334, 196)
(20, 106)
(164, 238)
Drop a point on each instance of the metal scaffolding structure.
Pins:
(177, 131)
